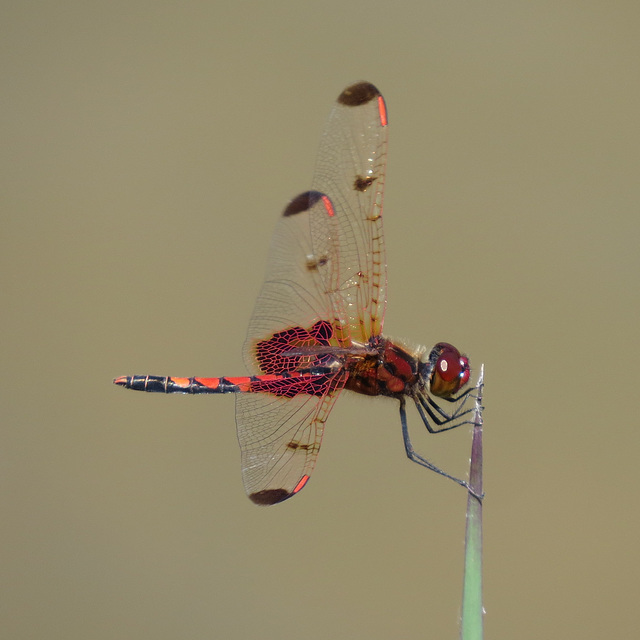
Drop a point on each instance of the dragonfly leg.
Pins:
(423, 462)
(440, 417)
(462, 395)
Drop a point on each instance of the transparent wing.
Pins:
(327, 258)
(351, 171)
(280, 439)
(294, 295)
(324, 287)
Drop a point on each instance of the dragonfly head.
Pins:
(449, 370)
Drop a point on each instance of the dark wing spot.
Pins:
(357, 94)
(362, 184)
(293, 445)
(302, 203)
(313, 262)
(268, 497)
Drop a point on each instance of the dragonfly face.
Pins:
(317, 324)
(448, 370)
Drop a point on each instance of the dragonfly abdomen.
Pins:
(288, 384)
(168, 384)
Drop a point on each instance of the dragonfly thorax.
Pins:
(388, 369)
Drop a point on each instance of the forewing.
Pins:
(351, 171)
(327, 258)
(324, 286)
(294, 295)
(280, 435)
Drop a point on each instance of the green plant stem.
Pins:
(471, 627)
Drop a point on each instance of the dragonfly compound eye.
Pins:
(448, 365)
(465, 372)
(451, 371)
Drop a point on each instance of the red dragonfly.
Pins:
(317, 324)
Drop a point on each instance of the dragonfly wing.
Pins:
(293, 296)
(324, 287)
(327, 259)
(280, 439)
(351, 171)
(280, 433)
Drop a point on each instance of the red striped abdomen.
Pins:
(285, 385)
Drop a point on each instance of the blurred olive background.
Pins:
(147, 150)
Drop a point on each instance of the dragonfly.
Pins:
(316, 328)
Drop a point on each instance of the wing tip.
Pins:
(267, 497)
(358, 94)
(301, 203)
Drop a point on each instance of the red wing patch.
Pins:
(271, 353)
